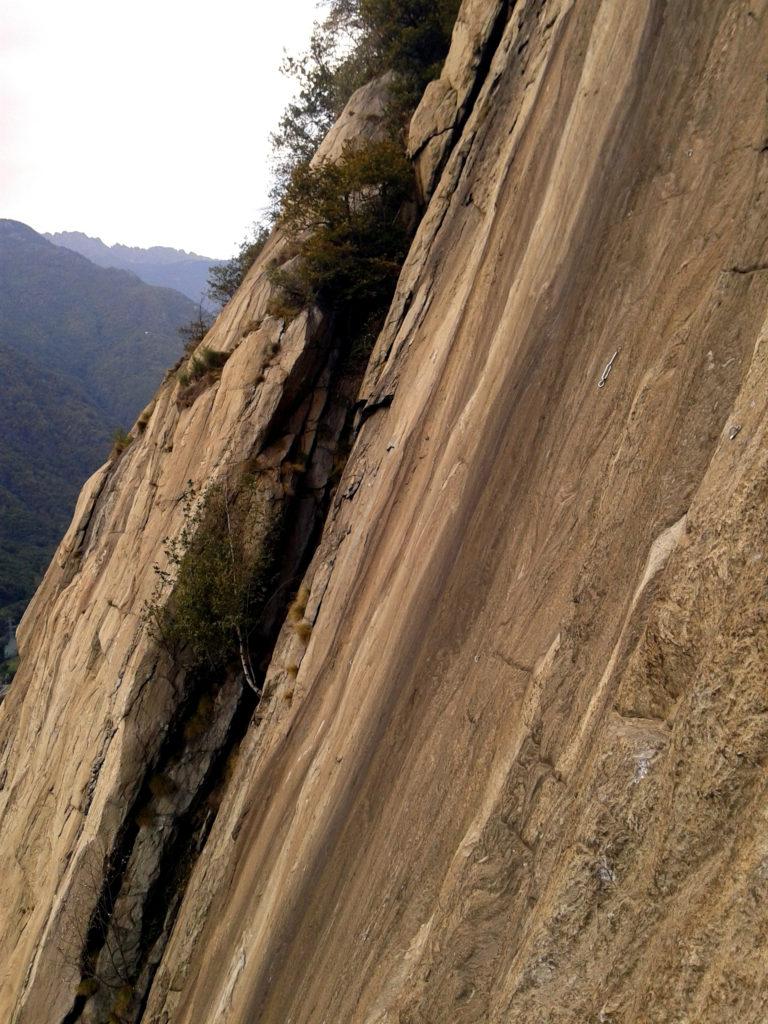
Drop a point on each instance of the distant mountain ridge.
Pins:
(82, 350)
(51, 438)
(103, 329)
(161, 265)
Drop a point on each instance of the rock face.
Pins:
(516, 773)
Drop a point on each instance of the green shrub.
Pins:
(225, 278)
(204, 365)
(210, 359)
(196, 367)
(355, 42)
(349, 219)
(121, 440)
(351, 237)
(410, 37)
(209, 596)
(193, 332)
(293, 292)
(351, 222)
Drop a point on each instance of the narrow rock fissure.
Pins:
(482, 70)
(166, 827)
(485, 60)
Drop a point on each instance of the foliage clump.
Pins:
(193, 332)
(217, 577)
(347, 218)
(225, 278)
(121, 440)
(8, 669)
(198, 373)
(356, 41)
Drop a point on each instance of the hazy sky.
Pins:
(145, 122)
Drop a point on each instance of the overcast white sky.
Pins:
(145, 122)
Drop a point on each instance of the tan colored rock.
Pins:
(361, 120)
(446, 101)
(90, 716)
(514, 771)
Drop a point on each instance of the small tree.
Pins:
(326, 75)
(192, 333)
(346, 216)
(225, 278)
(356, 41)
(217, 579)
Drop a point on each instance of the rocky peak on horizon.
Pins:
(162, 265)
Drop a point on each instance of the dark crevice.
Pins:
(751, 268)
(482, 70)
(375, 405)
(191, 831)
(182, 833)
(76, 1012)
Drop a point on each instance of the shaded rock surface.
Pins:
(516, 773)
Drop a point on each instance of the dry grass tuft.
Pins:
(250, 327)
(200, 372)
(145, 417)
(199, 722)
(231, 764)
(303, 629)
(299, 605)
(123, 1000)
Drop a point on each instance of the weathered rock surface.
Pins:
(520, 773)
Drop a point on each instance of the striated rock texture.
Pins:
(519, 774)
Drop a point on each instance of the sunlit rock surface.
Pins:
(517, 771)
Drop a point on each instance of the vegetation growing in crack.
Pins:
(193, 332)
(121, 440)
(217, 577)
(351, 238)
(197, 373)
(224, 279)
(351, 222)
(205, 361)
(355, 42)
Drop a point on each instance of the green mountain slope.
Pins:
(82, 350)
(102, 328)
(51, 439)
(187, 272)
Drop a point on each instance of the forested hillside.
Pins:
(51, 438)
(81, 351)
(104, 329)
(161, 265)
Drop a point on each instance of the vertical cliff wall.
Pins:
(517, 770)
